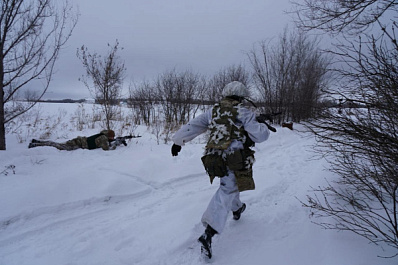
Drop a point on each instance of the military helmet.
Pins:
(235, 88)
(108, 133)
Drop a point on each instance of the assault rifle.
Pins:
(263, 118)
(122, 139)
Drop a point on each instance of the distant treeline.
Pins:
(68, 100)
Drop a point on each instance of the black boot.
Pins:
(31, 145)
(239, 212)
(205, 240)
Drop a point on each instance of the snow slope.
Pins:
(139, 205)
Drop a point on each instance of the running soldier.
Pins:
(233, 130)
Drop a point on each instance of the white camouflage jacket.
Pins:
(258, 132)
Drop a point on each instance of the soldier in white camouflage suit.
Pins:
(233, 130)
(100, 140)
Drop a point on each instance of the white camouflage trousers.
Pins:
(225, 200)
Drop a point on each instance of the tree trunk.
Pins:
(2, 127)
(2, 116)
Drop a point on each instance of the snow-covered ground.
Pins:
(139, 205)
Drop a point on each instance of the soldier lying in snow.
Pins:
(101, 140)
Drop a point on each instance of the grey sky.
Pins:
(202, 35)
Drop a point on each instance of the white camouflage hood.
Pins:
(235, 88)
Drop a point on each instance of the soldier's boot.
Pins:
(33, 143)
(237, 213)
(205, 240)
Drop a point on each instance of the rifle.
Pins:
(122, 139)
(262, 118)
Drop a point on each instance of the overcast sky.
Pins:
(204, 36)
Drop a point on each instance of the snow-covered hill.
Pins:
(139, 205)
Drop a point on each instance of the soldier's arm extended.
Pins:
(192, 129)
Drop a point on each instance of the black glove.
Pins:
(175, 149)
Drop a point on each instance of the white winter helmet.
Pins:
(235, 88)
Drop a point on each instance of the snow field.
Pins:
(139, 205)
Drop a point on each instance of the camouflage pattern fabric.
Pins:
(244, 180)
(79, 142)
(102, 142)
(217, 161)
(60, 146)
(222, 127)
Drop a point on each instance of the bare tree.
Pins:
(362, 145)
(143, 99)
(104, 79)
(343, 15)
(178, 94)
(289, 75)
(361, 142)
(31, 36)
